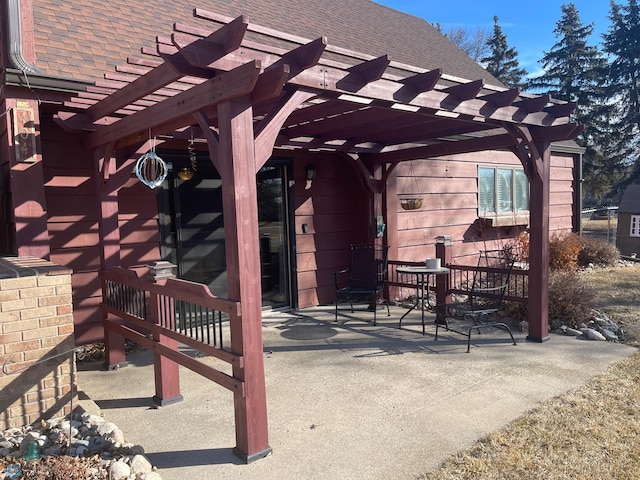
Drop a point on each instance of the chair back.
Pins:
(368, 266)
(491, 279)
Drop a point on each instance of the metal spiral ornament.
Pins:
(151, 169)
(192, 155)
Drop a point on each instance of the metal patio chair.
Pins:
(478, 311)
(364, 279)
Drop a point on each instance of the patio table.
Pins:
(422, 275)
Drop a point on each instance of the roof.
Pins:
(630, 202)
(82, 39)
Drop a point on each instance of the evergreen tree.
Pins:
(622, 42)
(575, 72)
(502, 62)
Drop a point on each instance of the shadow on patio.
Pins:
(348, 400)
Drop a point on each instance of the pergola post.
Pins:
(238, 171)
(539, 243)
(109, 229)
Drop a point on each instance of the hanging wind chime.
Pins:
(186, 173)
(150, 169)
(411, 201)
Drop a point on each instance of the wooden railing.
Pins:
(161, 315)
(461, 279)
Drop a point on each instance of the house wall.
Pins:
(334, 209)
(449, 187)
(626, 243)
(70, 191)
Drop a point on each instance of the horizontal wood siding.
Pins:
(73, 215)
(449, 188)
(334, 212)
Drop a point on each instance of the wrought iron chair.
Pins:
(490, 283)
(364, 279)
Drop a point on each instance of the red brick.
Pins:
(37, 292)
(55, 300)
(65, 329)
(10, 338)
(64, 309)
(39, 312)
(55, 320)
(22, 346)
(20, 325)
(39, 333)
(23, 304)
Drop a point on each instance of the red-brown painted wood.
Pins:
(240, 203)
(538, 306)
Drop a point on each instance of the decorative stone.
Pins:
(119, 470)
(139, 464)
(592, 334)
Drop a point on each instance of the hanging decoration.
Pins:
(186, 173)
(411, 201)
(150, 169)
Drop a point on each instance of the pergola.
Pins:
(246, 99)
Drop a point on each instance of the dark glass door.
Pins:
(194, 230)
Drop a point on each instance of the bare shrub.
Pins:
(598, 252)
(564, 251)
(570, 299)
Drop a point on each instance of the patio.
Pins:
(347, 399)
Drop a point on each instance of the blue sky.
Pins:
(528, 26)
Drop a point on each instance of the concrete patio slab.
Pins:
(349, 400)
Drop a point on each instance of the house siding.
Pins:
(72, 209)
(449, 187)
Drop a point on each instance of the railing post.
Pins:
(166, 372)
(443, 295)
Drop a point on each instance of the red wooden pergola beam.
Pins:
(535, 104)
(226, 86)
(501, 99)
(363, 73)
(423, 82)
(464, 91)
(445, 148)
(561, 109)
(165, 74)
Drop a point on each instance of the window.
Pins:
(635, 226)
(502, 191)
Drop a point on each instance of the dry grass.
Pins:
(590, 432)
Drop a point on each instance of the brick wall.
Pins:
(36, 340)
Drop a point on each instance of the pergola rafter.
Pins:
(246, 99)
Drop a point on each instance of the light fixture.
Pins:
(312, 173)
(185, 174)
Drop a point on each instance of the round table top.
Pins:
(417, 269)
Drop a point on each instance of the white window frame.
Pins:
(634, 226)
(501, 172)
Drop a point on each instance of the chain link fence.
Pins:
(600, 223)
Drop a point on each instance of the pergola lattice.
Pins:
(246, 99)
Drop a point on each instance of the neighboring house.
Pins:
(381, 132)
(628, 233)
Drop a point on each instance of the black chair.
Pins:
(490, 283)
(364, 279)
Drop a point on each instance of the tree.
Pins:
(502, 61)
(575, 72)
(622, 42)
(473, 43)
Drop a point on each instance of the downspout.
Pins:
(14, 30)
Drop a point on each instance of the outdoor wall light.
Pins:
(312, 173)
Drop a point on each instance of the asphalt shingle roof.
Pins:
(83, 39)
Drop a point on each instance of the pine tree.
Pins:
(575, 71)
(502, 62)
(622, 42)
